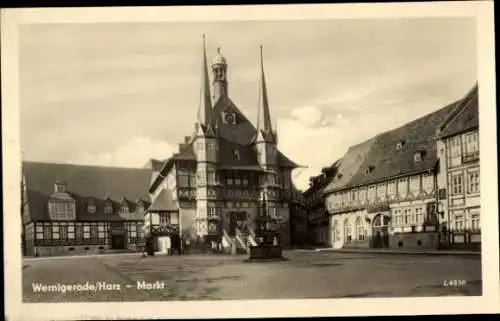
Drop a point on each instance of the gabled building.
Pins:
(209, 193)
(77, 209)
(385, 191)
(458, 178)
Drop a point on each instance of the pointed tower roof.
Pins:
(264, 116)
(205, 108)
(264, 126)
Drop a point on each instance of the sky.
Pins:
(118, 94)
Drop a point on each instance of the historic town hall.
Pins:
(207, 196)
(225, 173)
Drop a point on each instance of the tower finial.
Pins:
(218, 50)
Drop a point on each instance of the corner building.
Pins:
(458, 178)
(385, 191)
(227, 171)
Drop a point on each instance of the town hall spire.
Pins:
(205, 108)
(264, 126)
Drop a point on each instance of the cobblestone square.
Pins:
(307, 274)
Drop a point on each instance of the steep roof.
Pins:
(464, 118)
(384, 160)
(350, 164)
(242, 132)
(154, 164)
(104, 185)
(163, 202)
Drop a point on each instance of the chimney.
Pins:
(187, 139)
(182, 147)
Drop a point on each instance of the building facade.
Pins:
(458, 178)
(385, 192)
(225, 173)
(69, 209)
(317, 215)
(298, 219)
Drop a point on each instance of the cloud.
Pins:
(308, 116)
(134, 153)
(311, 142)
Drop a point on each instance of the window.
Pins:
(415, 183)
(360, 229)
(47, 232)
(475, 222)
(101, 230)
(64, 232)
(457, 184)
(86, 231)
(236, 154)
(459, 223)
(164, 218)
(472, 144)
(211, 178)
(124, 208)
(210, 146)
(456, 148)
(94, 231)
(473, 182)
(273, 212)
(407, 216)
(79, 231)
(419, 215)
(91, 208)
(60, 187)
(347, 232)
(108, 208)
(428, 182)
(400, 145)
(174, 218)
(183, 180)
(417, 157)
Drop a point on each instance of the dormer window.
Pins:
(108, 208)
(417, 157)
(60, 187)
(124, 207)
(140, 206)
(368, 170)
(91, 207)
(400, 144)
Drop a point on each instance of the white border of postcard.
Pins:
(487, 303)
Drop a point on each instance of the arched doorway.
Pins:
(380, 227)
(347, 231)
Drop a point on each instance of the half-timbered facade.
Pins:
(385, 191)
(76, 209)
(217, 181)
(458, 179)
